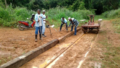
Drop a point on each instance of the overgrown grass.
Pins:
(112, 14)
(55, 14)
(111, 58)
(116, 25)
(9, 16)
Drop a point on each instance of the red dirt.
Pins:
(70, 59)
(14, 43)
(51, 53)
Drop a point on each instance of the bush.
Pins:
(112, 14)
(10, 16)
(4, 14)
(55, 14)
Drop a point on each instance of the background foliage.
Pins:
(12, 11)
(99, 6)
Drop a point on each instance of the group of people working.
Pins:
(40, 20)
(73, 22)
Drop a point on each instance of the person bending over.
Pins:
(64, 21)
(73, 22)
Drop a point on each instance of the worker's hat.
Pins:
(69, 18)
(43, 10)
(72, 18)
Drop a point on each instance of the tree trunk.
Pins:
(6, 3)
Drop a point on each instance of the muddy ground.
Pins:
(104, 53)
(14, 43)
(58, 57)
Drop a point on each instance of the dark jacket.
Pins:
(75, 22)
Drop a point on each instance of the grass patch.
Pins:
(104, 42)
(5, 59)
(112, 58)
(102, 32)
(116, 25)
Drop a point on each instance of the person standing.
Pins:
(64, 21)
(44, 21)
(38, 24)
(75, 23)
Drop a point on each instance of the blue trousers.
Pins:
(43, 28)
(62, 25)
(75, 29)
(38, 29)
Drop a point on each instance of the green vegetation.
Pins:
(9, 16)
(55, 14)
(111, 58)
(112, 14)
(12, 11)
(116, 25)
(99, 6)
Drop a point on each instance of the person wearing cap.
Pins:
(38, 24)
(43, 21)
(75, 23)
(64, 21)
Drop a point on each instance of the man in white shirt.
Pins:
(44, 21)
(64, 21)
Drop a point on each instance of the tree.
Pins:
(5, 3)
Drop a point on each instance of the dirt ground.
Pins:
(105, 51)
(14, 43)
(49, 55)
(70, 59)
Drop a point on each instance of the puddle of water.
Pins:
(46, 62)
(4, 53)
(64, 45)
(34, 67)
(6, 47)
(97, 65)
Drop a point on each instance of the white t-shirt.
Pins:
(40, 20)
(44, 18)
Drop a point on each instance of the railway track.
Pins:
(64, 51)
(76, 63)
(49, 65)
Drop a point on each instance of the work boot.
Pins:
(40, 36)
(35, 38)
(43, 35)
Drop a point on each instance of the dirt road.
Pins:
(106, 49)
(14, 43)
(67, 54)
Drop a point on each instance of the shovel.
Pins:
(52, 26)
(49, 27)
